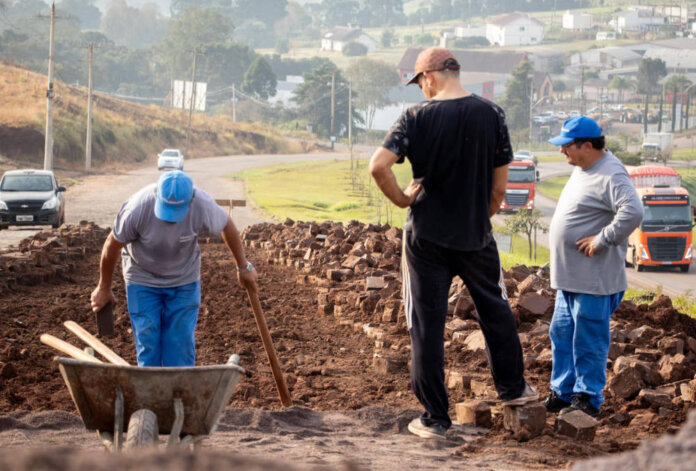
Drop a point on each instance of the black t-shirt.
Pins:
(453, 146)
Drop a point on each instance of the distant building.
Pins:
(676, 60)
(514, 29)
(605, 35)
(637, 20)
(548, 59)
(468, 31)
(503, 62)
(606, 58)
(577, 21)
(338, 37)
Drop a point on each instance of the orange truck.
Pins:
(520, 190)
(664, 238)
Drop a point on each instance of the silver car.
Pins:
(31, 198)
(170, 159)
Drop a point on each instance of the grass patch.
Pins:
(323, 191)
(552, 187)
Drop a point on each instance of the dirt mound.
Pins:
(331, 295)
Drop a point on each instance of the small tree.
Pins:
(354, 48)
(387, 38)
(259, 79)
(527, 222)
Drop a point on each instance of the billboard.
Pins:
(183, 91)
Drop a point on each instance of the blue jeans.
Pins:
(580, 344)
(163, 321)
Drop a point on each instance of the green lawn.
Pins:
(552, 187)
(684, 153)
(322, 191)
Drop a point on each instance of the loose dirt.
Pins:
(347, 413)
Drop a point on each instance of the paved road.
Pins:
(99, 197)
(670, 280)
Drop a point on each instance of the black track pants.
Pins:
(427, 271)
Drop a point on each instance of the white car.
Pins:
(561, 115)
(170, 159)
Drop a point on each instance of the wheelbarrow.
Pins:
(182, 402)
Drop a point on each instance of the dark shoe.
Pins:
(529, 394)
(582, 402)
(417, 427)
(554, 404)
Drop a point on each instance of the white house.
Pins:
(514, 29)
(639, 20)
(577, 21)
(338, 37)
(285, 91)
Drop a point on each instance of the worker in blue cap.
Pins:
(156, 234)
(596, 212)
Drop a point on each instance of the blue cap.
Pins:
(578, 127)
(174, 193)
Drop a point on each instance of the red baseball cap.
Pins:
(433, 59)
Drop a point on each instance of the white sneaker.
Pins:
(417, 427)
(529, 394)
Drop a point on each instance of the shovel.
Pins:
(105, 321)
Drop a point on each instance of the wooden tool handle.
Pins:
(67, 348)
(283, 392)
(95, 343)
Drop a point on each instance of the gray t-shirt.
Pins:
(159, 253)
(600, 200)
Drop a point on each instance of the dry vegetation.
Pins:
(124, 133)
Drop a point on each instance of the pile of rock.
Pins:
(49, 255)
(355, 268)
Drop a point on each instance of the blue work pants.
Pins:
(580, 344)
(163, 321)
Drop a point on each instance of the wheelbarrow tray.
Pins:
(203, 390)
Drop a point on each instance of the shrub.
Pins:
(353, 49)
(628, 158)
(425, 39)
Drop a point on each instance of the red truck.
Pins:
(520, 190)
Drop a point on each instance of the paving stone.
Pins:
(535, 304)
(475, 341)
(389, 365)
(481, 388)
(654, 399)
(675, 368)
(688, 391)
(375, 283)
(643, 335)
(671, 345)
(530, 284)
(576, 425)
(464, 307)
(455, 325)
(648, 371)
(476, 413)
(626, 384)
(525, 421)
(458, 380)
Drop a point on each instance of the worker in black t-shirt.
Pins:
(459, 149)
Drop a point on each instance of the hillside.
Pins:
(124, 133)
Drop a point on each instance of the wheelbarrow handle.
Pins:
(283, 392)
(94, 342)
(69, 349)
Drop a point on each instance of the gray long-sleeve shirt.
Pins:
(601, 201)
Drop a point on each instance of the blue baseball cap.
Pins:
(578, 127)
(174, 193)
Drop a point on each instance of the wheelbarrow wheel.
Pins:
(143, 430)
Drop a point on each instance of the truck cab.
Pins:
(520, 191)
(664, 238)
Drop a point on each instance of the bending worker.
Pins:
(459, 149)
(156, 234)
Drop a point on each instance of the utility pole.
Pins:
(88, 145)
(350, 122)
(196, 51)
(674, 105)
(531, 108)
(48, 141)
(333, 107)
(234, 103)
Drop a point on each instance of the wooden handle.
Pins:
(95, 343)
(283, 392)
(65, 347)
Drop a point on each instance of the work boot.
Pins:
(554, 404)
(582, 402)
(417, 427)
(529, 394)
